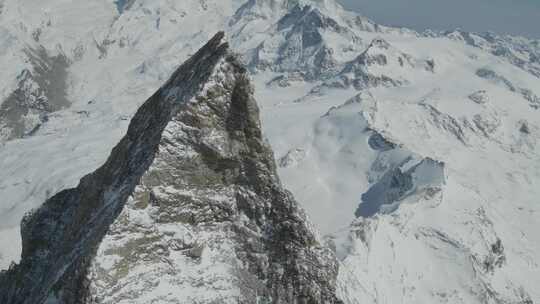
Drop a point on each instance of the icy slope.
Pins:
(486, 208)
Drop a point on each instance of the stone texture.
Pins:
(191, 187)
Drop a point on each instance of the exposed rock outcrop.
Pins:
(39, 92)
(192, 185)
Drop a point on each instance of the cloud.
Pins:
(518, 17)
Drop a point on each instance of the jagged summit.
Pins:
(519, 51)
(301, 36)
(381, 64)
(191, 186)
(61, 236)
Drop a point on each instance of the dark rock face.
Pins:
(393, 186)
(311, 19)
(527, 94)
(496, 78)
(193, 158)
(359, 73)
(379, 143)
(123, 5)
(305, 46)
(496, 257)
(384, 196)
(511, 49)
(39, 92)
(302, 47)
(525, 128)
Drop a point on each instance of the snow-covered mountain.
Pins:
(414, 154)
(187, 208)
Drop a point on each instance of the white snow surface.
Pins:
(438, 240)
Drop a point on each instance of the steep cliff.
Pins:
(188, 200)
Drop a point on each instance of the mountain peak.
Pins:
(194, 178)
(80, 217)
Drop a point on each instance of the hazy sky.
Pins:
(501, 16)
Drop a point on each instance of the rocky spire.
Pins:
(187, 209)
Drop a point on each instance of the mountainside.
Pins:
(414, 154)
(203, 202)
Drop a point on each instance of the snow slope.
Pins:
(352, 109)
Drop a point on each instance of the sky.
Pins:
(516, 17)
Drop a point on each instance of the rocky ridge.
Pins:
(192, 182)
